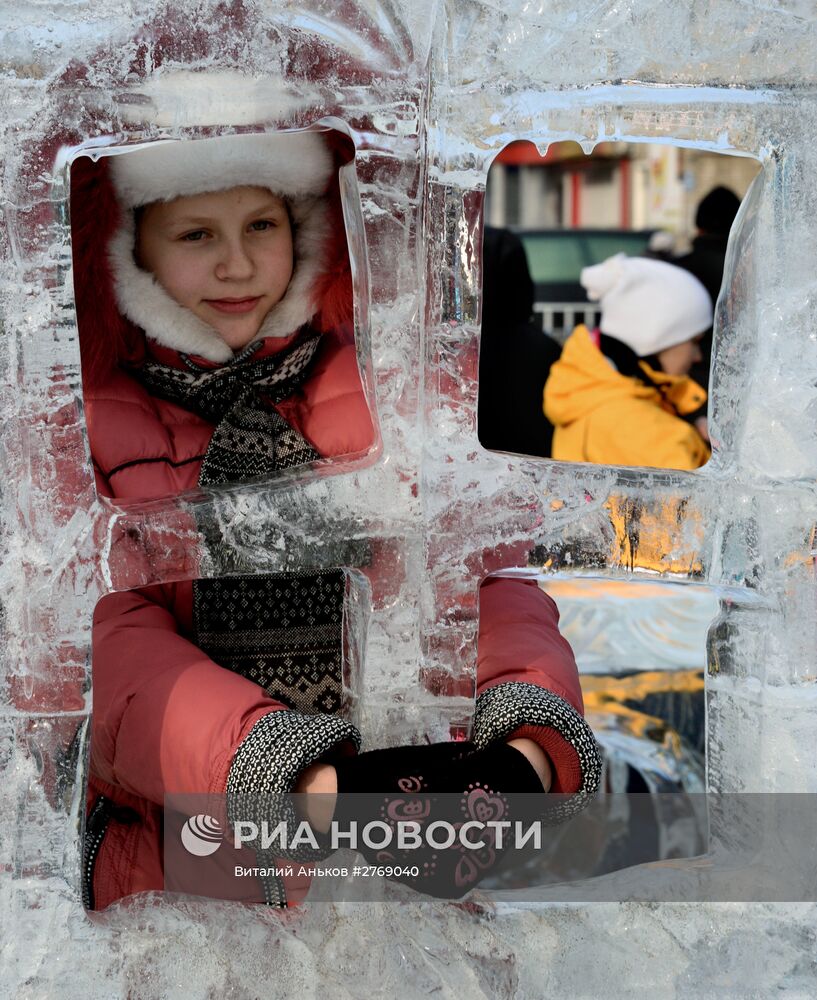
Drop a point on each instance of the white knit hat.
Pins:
(649, 305)
(295, 166)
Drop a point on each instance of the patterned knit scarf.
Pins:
(282, 631)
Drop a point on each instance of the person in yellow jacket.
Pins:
(618, 394)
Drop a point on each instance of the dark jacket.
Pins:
(515, 355)
(705, 261)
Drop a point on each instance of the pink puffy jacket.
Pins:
(166, 718)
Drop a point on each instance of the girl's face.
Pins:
(226, 256)
(679, 359)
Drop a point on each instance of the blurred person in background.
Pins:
(714, 217)
(515, 356)
(661, 246)
(619, 394)
(713, 220)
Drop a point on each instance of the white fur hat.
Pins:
(647, 304)
(187, 98)
(296, 166)
(291, 164)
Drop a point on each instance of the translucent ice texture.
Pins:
(431, 92)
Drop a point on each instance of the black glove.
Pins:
(398, 769)
(443, 784)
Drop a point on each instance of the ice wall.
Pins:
(431, 92)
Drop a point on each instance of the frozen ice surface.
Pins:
(431, 92)
(615, 626)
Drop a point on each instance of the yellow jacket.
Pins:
(604, 417)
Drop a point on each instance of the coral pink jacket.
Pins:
(166, 718)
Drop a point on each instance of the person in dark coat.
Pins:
(515, 355)
(713, 219)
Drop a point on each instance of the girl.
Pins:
(618, 395)
(214, 309)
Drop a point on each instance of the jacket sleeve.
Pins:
(528, 684)
(637, 432)
(166, 718)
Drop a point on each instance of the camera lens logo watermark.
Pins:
(201, 835)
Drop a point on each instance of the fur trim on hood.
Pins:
(291, 164)
(144, 302)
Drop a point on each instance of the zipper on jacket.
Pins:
(96, 826)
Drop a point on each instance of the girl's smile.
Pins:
(233, 305)
(225, 255)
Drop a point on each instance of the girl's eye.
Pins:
(262, 225)
(194, 237)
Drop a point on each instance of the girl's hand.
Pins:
(318, 809)
(537, 758)
(320, 781)
(394, 770)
